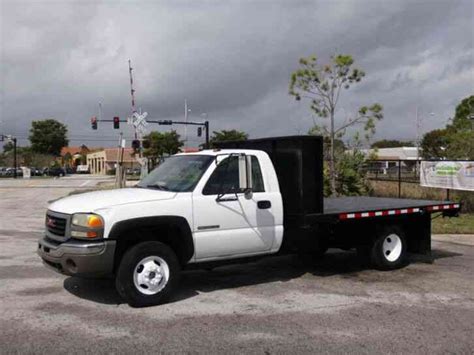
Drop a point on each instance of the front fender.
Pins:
(171, 230)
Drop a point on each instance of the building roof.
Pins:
(399, 153)
(83, 149)
(189, 149)
(74, 150)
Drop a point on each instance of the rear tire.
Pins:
(389, 250)
(148, 274)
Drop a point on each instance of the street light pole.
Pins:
(14, 158)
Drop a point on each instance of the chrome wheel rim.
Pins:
(392, 247)
(151, 275)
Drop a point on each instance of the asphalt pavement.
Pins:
(275, 305)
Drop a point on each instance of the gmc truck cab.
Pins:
(253, 198)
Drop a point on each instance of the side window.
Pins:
(257, 176)
(226, 177)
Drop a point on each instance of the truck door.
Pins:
(233, 224)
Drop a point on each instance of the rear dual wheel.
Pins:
(389, 250)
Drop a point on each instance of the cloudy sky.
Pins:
(229, 59)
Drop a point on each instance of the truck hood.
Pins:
(93, 201)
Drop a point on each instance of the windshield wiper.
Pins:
(158, 187)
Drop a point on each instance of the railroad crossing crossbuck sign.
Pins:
(139, 122)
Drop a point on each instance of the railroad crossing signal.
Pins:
(136, 145)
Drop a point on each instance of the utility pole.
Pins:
(185, 120)
(419, 126)
(418, 133)
(14, 157)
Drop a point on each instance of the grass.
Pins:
(464, 224)
(411, 190)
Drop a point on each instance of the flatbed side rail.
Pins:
(450, 209)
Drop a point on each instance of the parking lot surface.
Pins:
(275, 305)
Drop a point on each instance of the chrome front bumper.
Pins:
(78, 258)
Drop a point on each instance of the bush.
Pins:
(350, 178)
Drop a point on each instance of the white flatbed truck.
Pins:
(245, 200)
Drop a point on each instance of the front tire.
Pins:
(389, 250)
(147, 275)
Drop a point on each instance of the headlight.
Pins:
(87, 225)
(87, 220)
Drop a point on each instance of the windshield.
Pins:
(177, 173)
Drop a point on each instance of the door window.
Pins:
(225, 178)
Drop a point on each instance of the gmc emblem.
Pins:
(50, 222)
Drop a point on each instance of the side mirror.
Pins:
(245, 173)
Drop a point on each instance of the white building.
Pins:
(103, 161)
(399, 153)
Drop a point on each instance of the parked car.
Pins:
(82, 169)
(3, 171)
(133, 171)
(35, 171)
(11, 172)
(57, 171)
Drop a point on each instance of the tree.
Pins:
(8, 146)
(456, 141)
(462, 118)
(227, 136)
(351, 177)
(434, 144)
(322, 85)
(461, 145)
(339, 146)
(158, 144)
(26, 157)
(461, 131)
(48, 136)
(391, 143)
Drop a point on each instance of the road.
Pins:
(275, 305)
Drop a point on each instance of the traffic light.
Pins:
(136, 145)
(94, 122)
(116, 122)
(199, 131)
(165, 122)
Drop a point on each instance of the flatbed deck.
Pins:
(336, 205)
(363, 206)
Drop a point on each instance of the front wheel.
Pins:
(147, 275)
(389, 250)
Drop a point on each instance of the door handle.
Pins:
(226, 199)
(263, 205)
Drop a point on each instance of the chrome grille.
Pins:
(56, 225)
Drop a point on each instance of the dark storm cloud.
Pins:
(231, 60)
